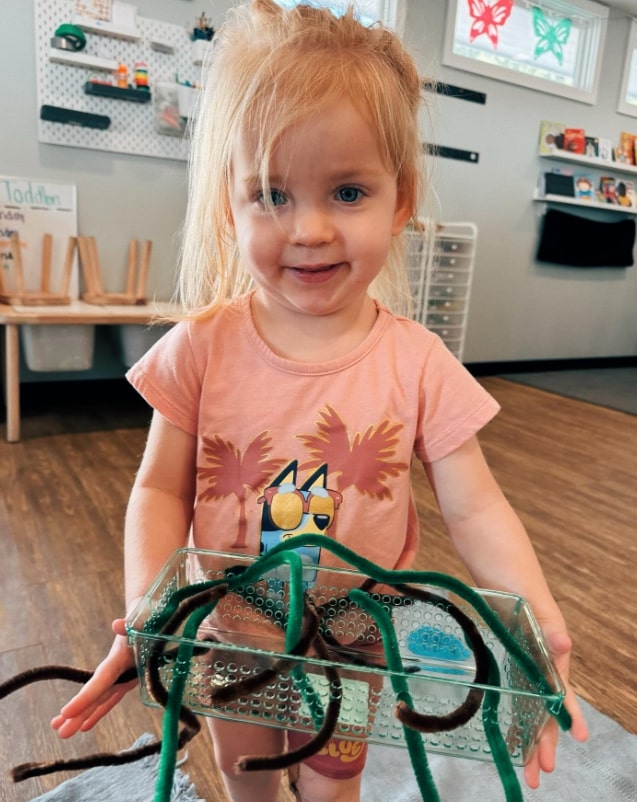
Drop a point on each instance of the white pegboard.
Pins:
(132, 128)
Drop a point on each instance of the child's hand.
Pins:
(544, 756)
(100, 694)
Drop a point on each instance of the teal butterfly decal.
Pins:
(551, 37)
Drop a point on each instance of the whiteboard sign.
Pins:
(33, 207)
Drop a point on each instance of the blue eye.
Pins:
(275, 198)
(349, 194)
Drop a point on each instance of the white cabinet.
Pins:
(440, 264)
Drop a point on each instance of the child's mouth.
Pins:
(315, 273)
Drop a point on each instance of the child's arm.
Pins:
(157, 523)
(496, 549)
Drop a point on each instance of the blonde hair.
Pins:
(270, 68)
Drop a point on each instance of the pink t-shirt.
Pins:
(285, 447)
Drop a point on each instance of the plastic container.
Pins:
(136, 339)
(59, 347)
(245, 636)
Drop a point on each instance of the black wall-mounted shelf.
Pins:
(117, 92)
(57, 114)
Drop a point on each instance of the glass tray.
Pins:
(245, 635)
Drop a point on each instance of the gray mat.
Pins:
(602, 770)
(132, 782)
(615, 388)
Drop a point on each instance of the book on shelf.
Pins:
(551, 137)
(591, 147)
(605, 149)
(558, 183)
(584, 189)
(625, 151)
(626, 193)
(575, 140)
(607, 189)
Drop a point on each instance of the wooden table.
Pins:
(76, 313)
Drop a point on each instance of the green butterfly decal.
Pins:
(551, 37)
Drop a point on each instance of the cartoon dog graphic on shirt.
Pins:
(290, 510)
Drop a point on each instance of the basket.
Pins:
(58, 347)
(245, 635)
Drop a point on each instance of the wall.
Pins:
(520, 310)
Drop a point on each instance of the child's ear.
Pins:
(403, 212)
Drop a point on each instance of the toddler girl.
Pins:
(291, 399)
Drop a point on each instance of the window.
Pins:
(390, 12)
(628, 95)
(553, 46)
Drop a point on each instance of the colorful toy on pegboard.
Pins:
(140, 75)
(121, 76)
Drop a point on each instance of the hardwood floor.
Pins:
(568, 467)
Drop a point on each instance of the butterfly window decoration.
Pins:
(488, 17)
(552, 46)
(551, 36)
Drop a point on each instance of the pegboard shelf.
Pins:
(136, 128)
(107, 29)
(84, 119)
(81, 60)
(117, 92)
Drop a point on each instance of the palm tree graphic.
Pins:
(230, 472)
(363, 461)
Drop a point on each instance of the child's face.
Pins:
(336, 209)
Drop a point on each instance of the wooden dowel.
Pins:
(17, 263)
(95, 266)
(142, 278)
(85, 257)
(131, 268)
(45, 276)
(68, 266)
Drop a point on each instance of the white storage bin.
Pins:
(58, 348)
(136, 339)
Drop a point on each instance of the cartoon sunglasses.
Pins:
(287, 505)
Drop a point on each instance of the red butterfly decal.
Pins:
(487, 18)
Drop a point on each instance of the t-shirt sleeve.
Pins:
(454, 405)
(169, 378)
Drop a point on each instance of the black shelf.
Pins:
(58, 114)
(117, 92)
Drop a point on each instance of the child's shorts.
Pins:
(339, 759)
(342, 758)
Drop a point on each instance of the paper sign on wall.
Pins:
(32, 208)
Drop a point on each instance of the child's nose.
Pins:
(312, 226)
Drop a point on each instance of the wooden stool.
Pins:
(44, 296)
(136, 274)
